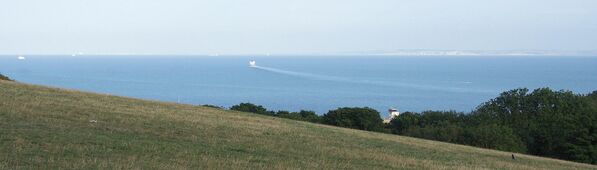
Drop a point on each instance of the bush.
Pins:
(356, 118)
(3, 77)
(404, 122)
(249, 107)
(310, 116)
(213, 106)
(494, 136)
(303, 115)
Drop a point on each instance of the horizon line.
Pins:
(401, 52)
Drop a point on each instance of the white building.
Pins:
(393, 113)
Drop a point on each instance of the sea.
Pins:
(318, 83)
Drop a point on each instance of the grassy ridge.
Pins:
(44, 127)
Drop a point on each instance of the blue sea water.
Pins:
(318, 83)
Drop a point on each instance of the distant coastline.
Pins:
(479, 53)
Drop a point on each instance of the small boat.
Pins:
(21, 58)
(252, 63)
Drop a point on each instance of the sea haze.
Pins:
(318, 83)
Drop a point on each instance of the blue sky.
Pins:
(293, 26)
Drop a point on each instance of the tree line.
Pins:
(557, 124)
(544, 122)
(350, 117)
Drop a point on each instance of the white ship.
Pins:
(252, 63)
(21, 58)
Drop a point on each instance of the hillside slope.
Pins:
(43, 127)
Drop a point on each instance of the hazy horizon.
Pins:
(293, 27)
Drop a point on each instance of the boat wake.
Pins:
(370, 82)
(303, 75)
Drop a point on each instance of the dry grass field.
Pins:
(51, 128)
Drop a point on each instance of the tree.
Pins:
(494, 136)
(506, 108)
(288, 115)
(249, 107)
(434, 125)
(212, 106)
(593, 97)
(302, 115)
(355, 117)
(404, 121)
(551, 123)
(309, 116)
(432, 118)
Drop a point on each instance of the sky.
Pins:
(293, 26)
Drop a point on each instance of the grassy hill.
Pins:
(43, 128)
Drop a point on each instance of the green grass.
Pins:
(50, 128)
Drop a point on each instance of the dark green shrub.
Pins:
(3, 77)
(213, 106)
(355, 117)
(250, 107)
(303, 115)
